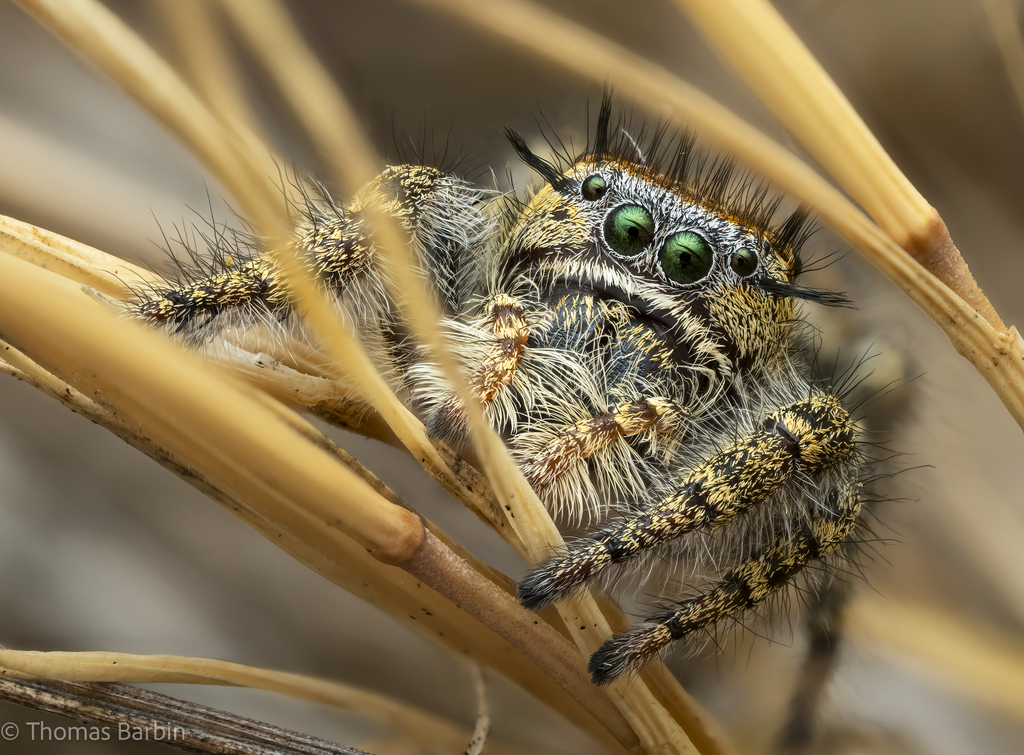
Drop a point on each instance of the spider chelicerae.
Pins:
(632, 329)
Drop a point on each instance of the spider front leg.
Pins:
(506, 333)
(806, 440)
(578, 442)
(742, 588)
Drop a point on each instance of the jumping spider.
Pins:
(632, 330)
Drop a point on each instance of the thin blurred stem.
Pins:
(441, 568)
(483, 715)
(181, 724)
(757, 42)
(1005, 24)
(108, 275)
(412, 725)
(104, 40)
(194, 30)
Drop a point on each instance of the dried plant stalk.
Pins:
(413, 725)
(764, 50)
(108, 275)
(188, 726)
(168, 395)
(754, 39)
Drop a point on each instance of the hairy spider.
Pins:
(632, 330)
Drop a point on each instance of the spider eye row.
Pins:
(685, 257)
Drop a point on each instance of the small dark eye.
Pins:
(594, 187)
(629, 229)
(744, 262)
(686, 257)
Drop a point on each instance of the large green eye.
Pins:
(686, 257)
(629, 229)
(744, 262)
(594, 187)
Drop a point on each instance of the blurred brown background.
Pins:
(101, 549)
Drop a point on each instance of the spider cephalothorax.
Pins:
(631, 329)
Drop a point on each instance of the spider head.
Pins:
(687, 247)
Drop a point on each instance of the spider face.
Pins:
(631, 331)
(700, 279)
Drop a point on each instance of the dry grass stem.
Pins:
(326, 397)
(414, 726)
(194, 29)
(756, 41)
(109, 275)
(307, 87)
(132, 712)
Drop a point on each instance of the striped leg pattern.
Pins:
(803, 440)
